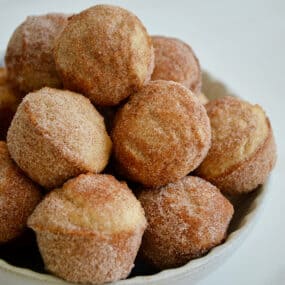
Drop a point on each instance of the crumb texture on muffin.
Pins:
(104, 53)
(29, 55)
(91, 203)
(243, 150)
(56, 135)
(161, 134)
(185, 220)
(176, 61)
(90, 230)
(18, 197)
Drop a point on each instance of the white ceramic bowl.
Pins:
(244, 219)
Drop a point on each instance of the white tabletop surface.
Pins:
(242, 43)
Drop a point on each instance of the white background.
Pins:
(242, 43)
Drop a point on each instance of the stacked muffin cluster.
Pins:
(93, 86)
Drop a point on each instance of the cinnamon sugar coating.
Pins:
(104, 53)
(18, 197)
(185, 220)
(8, 106)
(56, 135)
(29, 56)
(90, 230)
(243, 150)
(161, 134)
(176, 61)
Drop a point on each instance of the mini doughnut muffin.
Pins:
(161, 134)
(56, 135)
(176, 61)
(3, 75)
(29, 56)
(18, 197)
(8, 106)
(243, 150)
(185, 220)
(203, 98)
(90, 230)
(104, 53)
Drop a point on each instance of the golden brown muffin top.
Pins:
(89, 204)
(238, 130)
(69, 121)
(176, 61)
(104, 53)
(161, 133)
(11, 176)
(29, 56)
(18, 197)
(186, 219)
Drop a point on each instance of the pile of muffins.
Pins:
(91, 101)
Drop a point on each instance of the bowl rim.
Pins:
(232, 240)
